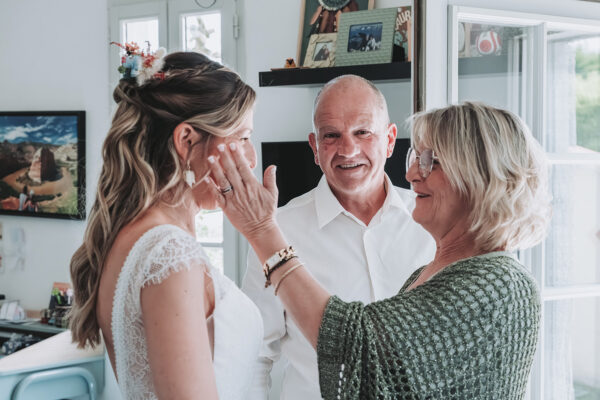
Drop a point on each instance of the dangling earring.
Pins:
(188, 176)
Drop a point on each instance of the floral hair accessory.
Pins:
(141, 65)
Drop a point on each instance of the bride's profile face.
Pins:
(205, 198)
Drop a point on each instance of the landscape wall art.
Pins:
(42, 164)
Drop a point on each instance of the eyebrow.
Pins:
(242, 131)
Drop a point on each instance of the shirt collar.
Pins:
(328, 207)
(393, 199)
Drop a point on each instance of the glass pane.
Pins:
(573, 87)
(144, 32)
(215, 254)
(202, 33)
(491, 64)
(209, 226)
(573, 243)
(572, 349)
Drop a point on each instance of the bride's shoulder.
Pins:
(165, 249)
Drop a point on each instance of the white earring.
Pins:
(188, 175)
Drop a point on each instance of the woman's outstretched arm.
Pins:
(251, 207)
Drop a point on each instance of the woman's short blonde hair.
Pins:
(490, 156)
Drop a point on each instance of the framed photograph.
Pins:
(322, 16)
(42, 164)
(366, 37)
(402, 51)
(321, 51)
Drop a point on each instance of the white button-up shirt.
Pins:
(349, 259)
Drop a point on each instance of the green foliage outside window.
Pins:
(587, 68)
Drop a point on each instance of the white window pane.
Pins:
(209, 226)
(491, 61)
(202, 33)
(573, 118)
(144, 32)
(573, 243)
(572, 349)
(215, 254)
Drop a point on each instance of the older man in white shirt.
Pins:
(354, 231)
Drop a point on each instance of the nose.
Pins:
(412, 173)
(347, 146)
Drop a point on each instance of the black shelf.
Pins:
(400, 71)
(483, 65)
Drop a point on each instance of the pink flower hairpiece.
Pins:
(139, 64)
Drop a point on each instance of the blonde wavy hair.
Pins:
(140, 164)
(493, 160)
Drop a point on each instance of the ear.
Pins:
(392, 132)
(312, 141)
(184, 136)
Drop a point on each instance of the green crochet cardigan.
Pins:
(470, 332)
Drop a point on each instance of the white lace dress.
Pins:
(237, 324)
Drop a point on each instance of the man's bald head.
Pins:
(345, 81)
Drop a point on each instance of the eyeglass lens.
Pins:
(425, 161)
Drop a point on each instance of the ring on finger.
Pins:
(226, 189)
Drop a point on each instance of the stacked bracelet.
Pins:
(285, 274)
(276, 261)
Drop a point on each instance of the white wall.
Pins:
(54, 57)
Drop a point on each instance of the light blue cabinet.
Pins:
(52, 369)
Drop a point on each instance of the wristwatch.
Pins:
(277, 260)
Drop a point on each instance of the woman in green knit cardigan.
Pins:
(464, 326)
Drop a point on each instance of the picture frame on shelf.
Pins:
(321, 51)
(42, 164)
(322, 16)
(402, 51)
(366, 37)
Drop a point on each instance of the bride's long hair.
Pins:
(140, 164)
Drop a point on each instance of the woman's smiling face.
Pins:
(439, 206)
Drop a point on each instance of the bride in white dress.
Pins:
(174, 327)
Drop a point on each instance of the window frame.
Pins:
(169, 31)
(535, 116)
(177, 9)
(119, 13)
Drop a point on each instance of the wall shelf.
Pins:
(394, 72)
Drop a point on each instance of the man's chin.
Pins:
(351, 187)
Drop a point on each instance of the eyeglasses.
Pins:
(426, 159)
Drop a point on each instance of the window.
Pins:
(141, 31)
(202, 33)
(209, 232)
(547, 70)
(143, 23)
(184, 25)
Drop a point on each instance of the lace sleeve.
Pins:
(173, 254)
